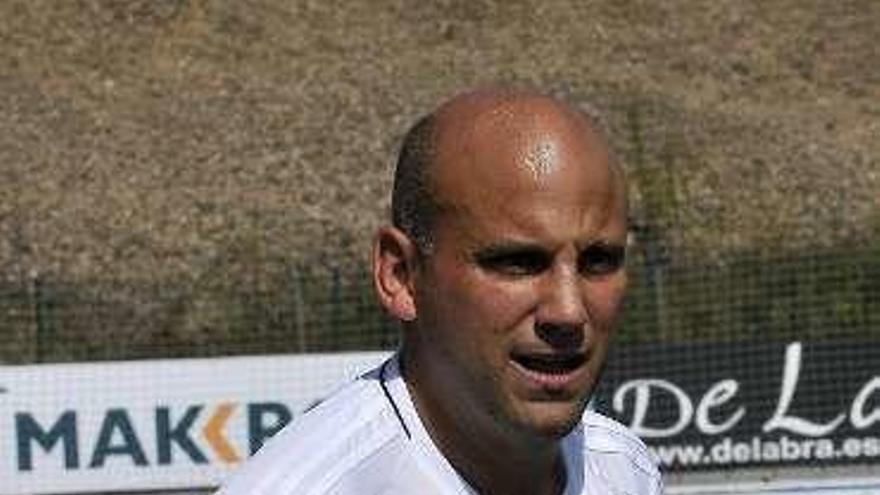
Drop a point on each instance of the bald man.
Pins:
(505, 265)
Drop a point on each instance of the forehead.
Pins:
(526, 165)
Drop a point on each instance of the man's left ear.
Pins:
(394, 270)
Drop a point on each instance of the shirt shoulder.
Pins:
(352, 431)
(616, 455)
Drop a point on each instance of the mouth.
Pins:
(549, 370)
(553, 364)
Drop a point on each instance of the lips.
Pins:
(549, 364)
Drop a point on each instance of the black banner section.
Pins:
(714, 405)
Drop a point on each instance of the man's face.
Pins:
(517, 299)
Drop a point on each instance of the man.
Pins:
(505, 264)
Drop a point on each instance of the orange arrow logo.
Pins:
(215, 433)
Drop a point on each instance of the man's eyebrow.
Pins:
(513, 246)
(605, 243)
(507, 247)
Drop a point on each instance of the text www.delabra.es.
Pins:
(758, 450)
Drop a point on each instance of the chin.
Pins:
(552, 420)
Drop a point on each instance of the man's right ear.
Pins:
(394, 263)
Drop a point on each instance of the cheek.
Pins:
(605, 300)
(503, 306)
(474, 320)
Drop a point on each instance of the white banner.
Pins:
(147, 425)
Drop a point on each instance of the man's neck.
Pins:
(503, 475)
(493, 458)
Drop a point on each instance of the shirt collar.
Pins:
(572, 443)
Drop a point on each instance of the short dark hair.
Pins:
(412, 201)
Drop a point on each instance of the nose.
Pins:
(562, 311)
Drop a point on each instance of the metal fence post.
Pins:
(299, 308)
(40, 324)
(336, 305)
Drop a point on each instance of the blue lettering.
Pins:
(258, 430)
(28, 430)
(166, 435)
(117, 420)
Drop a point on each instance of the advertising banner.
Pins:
(152, 425)
(166, 424)
(721, 405)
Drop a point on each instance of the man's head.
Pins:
(505, 262)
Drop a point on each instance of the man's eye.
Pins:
(514, 263)
(601, 259)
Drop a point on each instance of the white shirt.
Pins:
(367, 439)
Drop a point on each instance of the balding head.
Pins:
(515, 132)
(506, 263)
